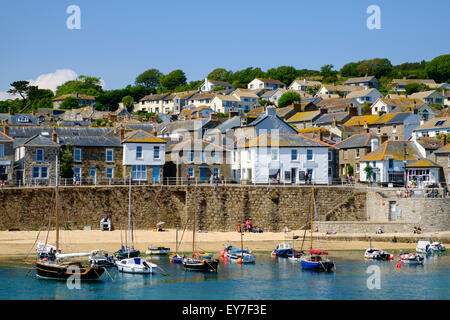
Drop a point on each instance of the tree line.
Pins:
(154, 81)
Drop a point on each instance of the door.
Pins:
(294, 175)
(393, 210)
(93, 174)
(203, 174)
(156, 174)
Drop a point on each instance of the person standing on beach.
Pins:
(187, 178)
(211, 179)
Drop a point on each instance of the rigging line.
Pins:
(37, 237)
(49, 221)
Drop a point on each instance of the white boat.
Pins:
(101, 258)
(157, 251)
(233, 254)
(437, 247)
(424, 246)
(136, 265)
(377, 254)
(410, 258)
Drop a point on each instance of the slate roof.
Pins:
(304, 116)
(283, 140)
(423, 163)
(327, 118)
(19, 119)
(5, 138)
(26, 132)
(356, 141)
(271, 81)
(140, 136)
(360, 79)
(90, 141)
(40, 141)
(435, 123)
(398, 150)
(430, 143)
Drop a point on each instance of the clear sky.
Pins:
(120, 39)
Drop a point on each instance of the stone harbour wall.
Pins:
(220, 208)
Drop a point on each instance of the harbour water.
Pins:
(269, 279)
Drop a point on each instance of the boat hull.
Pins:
(203, 265)
(58, 272)
(136, 266)
(248, 258)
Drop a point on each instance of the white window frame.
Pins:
(193, 171)
(274, 151)
(312, 154)
(39, 171)
(141, 169)
(296, 155)
(154, 153)
(141, 153)
(74, 171)
(112, 172)
(112, 155)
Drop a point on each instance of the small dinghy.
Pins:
(296, 256)
(233, 254)
(157, 251)
(377, 254)
(101, 258)
(194, 264)
(437, 247)
(136, 265)
(317, 260)
(411, 258)
(283, 250)
(176, 258)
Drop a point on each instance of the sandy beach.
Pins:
(20, 243)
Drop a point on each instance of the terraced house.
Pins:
(6, 158)
(143, 156)
(96, 159)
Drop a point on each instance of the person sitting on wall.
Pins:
(260, 230)
(286, 229)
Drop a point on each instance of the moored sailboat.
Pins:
(50, 264)
(316, 259)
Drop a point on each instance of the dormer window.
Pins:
(39, 155)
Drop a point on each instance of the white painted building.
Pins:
(284, 158)
(209, 85)
(268, 84)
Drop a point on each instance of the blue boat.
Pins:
(315, 261)
(283, 250)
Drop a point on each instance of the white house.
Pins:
(282, 158)
(268, 84)
(224, 104)
(329, 89)
(156, 103)
(303, 85)
(370, 95)
(273, 95)
(399, 104)
(144, 156)
(369, 81)
(433, 127)
(387, 162)
(209, 85)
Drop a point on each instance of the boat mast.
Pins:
(129, 214)
(311, 221)
(242, 244)
(193, 235)
(56, 206)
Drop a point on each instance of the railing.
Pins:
(398, 191)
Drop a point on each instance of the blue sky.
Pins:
(120, 39)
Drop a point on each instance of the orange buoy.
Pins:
(222, 253)
(398, 265)
(239, 260)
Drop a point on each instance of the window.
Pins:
(109, 155)
(39, 155)
(190, 172)
(378, 130)
(274, 154)
(215, 157)
(294, 155)
(138, 152)
(156, 153)
(330, 156)
(109, 173)
(216, 172)
(92, 172)
(2, 151)
(77, 171)
(391, 164)
(77, 155)
(357, 153)
(191, 156)
(309, 154)
(139, 172)
(40, 172)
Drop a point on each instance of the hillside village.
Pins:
(324, 134)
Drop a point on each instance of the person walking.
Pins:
(187, 178)
(217, 181)
(211, 179)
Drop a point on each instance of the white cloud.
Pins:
(46, 81)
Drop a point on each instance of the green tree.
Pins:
(369, 171)
(376, 67)
(149, 79)
(411, 88)
(70, 103)
(174, 79)
(67, 162)
(220, 74)
(285, 74)
(266, 102)
(327, 71)
(82, 85)
(313, 90)
(367, 110)
(128, 102)
(438, 69)
(350, 170)
(350, 69)
(288, 98)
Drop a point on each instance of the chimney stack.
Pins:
(366, 127)
(213, 116)
(384, 138)
(333, 123)
(122, 132)
(54, 135)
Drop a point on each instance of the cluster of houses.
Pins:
(323, 139)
